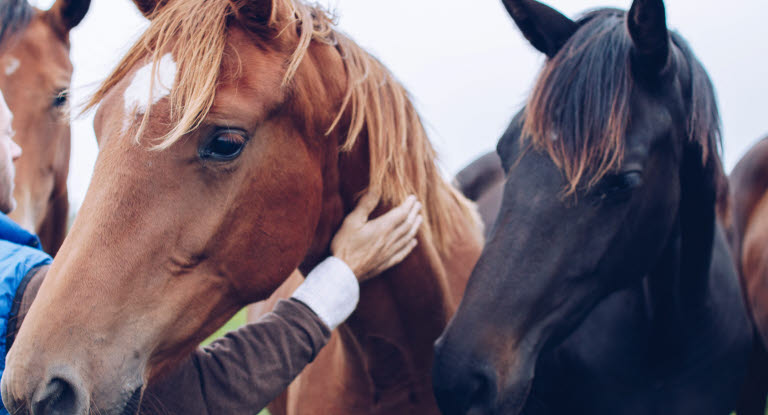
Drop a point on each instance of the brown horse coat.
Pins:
(747, 217)
(749, 229)
(215, 183)
(379, 362)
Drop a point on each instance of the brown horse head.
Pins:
(35, 73)
(233, 137)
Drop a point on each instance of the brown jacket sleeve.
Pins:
(244, 371)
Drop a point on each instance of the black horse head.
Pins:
(612, 173)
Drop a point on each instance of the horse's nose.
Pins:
(463, 384)
(59, 396)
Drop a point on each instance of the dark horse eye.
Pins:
(60, 99)
(620, 185)
(224, 146)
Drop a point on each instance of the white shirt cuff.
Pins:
(331, 290)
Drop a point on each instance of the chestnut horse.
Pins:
(234, 137)
(749, 238)
(35, 74)
(606, 285)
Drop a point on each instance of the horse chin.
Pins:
(127, 403)
(512, 401)
(134, 403)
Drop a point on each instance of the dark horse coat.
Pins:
(606, 285)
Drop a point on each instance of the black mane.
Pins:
(703, 115)
(580, 107)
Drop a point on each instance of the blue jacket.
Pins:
(20, 252)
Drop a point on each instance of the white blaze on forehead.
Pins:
(138, 95)
(12, 65)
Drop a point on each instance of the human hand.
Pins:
(371, 247)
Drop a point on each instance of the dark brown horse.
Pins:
(234, 137)
(748, 216)
(35, 75)
(606, 285)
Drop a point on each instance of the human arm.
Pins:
(244, 371)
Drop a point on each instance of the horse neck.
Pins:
(403, 311)
(679, 284)
(674, 294)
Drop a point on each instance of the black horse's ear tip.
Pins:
(552, 52)
(647, 27)
(545, 28)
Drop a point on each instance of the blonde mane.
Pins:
(402, 160)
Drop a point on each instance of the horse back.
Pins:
(749, 230)
(482, 182)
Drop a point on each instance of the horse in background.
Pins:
(35, 76)
(234, 137)
(607, 285)
(482, 182)
(748, 217)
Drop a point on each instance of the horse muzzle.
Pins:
(461, 385)
(63, 392)
(467, 382)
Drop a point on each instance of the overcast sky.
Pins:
(466, 65)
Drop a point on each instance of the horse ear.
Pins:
(647, 25)
(546, 28)
(148, 7)
(66, 14)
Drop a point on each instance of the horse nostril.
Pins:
(481, 392)
(58, 397)
(463, 386)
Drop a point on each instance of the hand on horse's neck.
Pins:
(420, 279)
(403, 311)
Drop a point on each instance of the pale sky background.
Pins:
(465, 63)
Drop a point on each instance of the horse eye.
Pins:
(225, 145)
(621, 185)
(60, 99)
